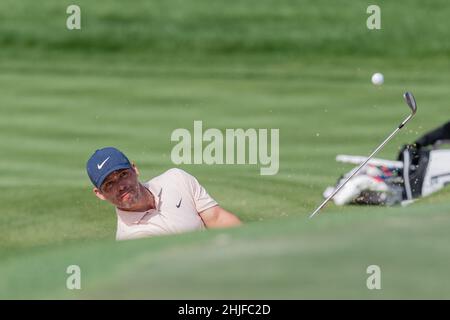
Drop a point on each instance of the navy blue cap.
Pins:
(103, 162)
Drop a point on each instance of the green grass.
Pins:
(136, 73)
(294, 27)
(288, 258)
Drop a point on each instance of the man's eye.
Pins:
(108, 186)
(124, 174)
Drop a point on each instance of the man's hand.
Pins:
(216, 217)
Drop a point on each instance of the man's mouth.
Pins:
(125, 196)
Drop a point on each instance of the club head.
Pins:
(409, 98)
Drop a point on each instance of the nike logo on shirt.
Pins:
(179, 203)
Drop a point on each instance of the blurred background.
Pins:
(137, 71)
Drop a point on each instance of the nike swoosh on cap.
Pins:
(99, 166)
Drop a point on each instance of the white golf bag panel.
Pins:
(437, 174)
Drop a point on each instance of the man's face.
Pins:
(121, 188)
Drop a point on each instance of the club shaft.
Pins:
(361, 166)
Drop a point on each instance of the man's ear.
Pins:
(99, 194)
(135, 169)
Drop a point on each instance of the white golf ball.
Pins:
(377, 79)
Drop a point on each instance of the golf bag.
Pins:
(421, 169)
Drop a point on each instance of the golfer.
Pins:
(172, 202)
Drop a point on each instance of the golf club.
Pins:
(409, 98)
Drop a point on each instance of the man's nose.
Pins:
(122, 187)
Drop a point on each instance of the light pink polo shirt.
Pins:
(179, 199)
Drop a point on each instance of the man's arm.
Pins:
(217, 217)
